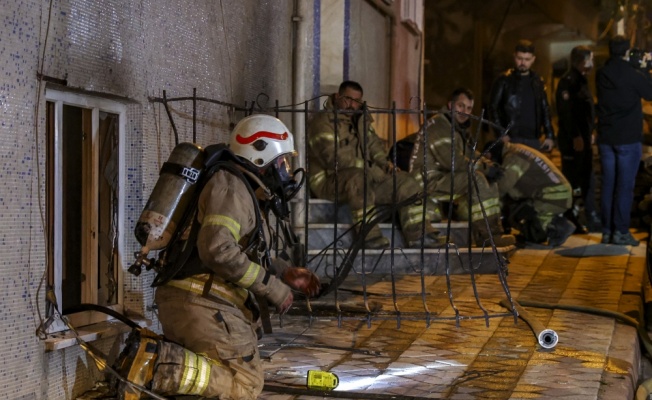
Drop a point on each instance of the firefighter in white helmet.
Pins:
(208, 308)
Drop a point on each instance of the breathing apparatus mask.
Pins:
(283, 185)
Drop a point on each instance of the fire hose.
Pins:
(547, 338)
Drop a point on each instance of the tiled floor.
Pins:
(482, 358)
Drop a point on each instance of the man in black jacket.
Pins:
(576, 111)
(518, 97)
(620, 87)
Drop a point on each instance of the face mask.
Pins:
(283, 185)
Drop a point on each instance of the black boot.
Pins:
(482, 237)
(524, 217)
(373, 237)
(431, 240)
(572, 217)
(559, 230)
(593, 222)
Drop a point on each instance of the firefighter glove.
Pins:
(302, 280)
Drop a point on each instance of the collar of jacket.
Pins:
(514, 74)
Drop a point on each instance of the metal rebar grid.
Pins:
(395, 283)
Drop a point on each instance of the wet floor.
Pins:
(448, 337)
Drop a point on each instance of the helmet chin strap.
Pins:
(272, 200)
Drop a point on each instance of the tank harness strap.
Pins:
(207, 286)
(190, 174)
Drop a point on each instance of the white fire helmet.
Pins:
(260, 139)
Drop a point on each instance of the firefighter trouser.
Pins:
(439, 187)
(220, 333)
(350, 190)
(551, 201)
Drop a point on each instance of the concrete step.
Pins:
(321, 235)
(455, 258)
(322, 215)
(451, 260)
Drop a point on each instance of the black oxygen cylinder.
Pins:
(169, 199)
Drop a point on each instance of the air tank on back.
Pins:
(168, 201)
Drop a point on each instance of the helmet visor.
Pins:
(283, 166)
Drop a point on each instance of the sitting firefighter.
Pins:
(344, 140)
(444, 167)
(535, 193)
(207, 310)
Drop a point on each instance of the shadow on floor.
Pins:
(594, 250)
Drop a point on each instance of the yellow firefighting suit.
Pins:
(210, 314)
(322, 133)
(530, 176)
(438, 166)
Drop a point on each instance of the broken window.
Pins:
(83, 208)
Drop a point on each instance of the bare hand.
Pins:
(578, 143)
(302, 280)
(505, 139)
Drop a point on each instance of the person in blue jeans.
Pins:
(620, 86)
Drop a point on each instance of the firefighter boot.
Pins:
(136, 363)
(373, 237)
(482, 236)
(371, 234)
(180, 371)
(559, 230)
(593, 223)
(431, 240)
(523, 217)
(168, 369)
(417, 230)
(571, 215)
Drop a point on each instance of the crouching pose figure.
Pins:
(536, 193)
(207, 309)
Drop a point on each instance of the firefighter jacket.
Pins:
(323, 130)
(438, 157)
(528, 174)
(506, 102)
(575, 106)
(227, 216)
(439, 163)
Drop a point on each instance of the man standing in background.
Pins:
(576, 111)
(518, 97)
(620, 88)
(448, 156)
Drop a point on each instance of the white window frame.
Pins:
(89, 266)
(412, 14)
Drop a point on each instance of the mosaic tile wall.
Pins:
(230, 50)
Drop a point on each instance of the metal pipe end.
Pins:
(548, 338)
